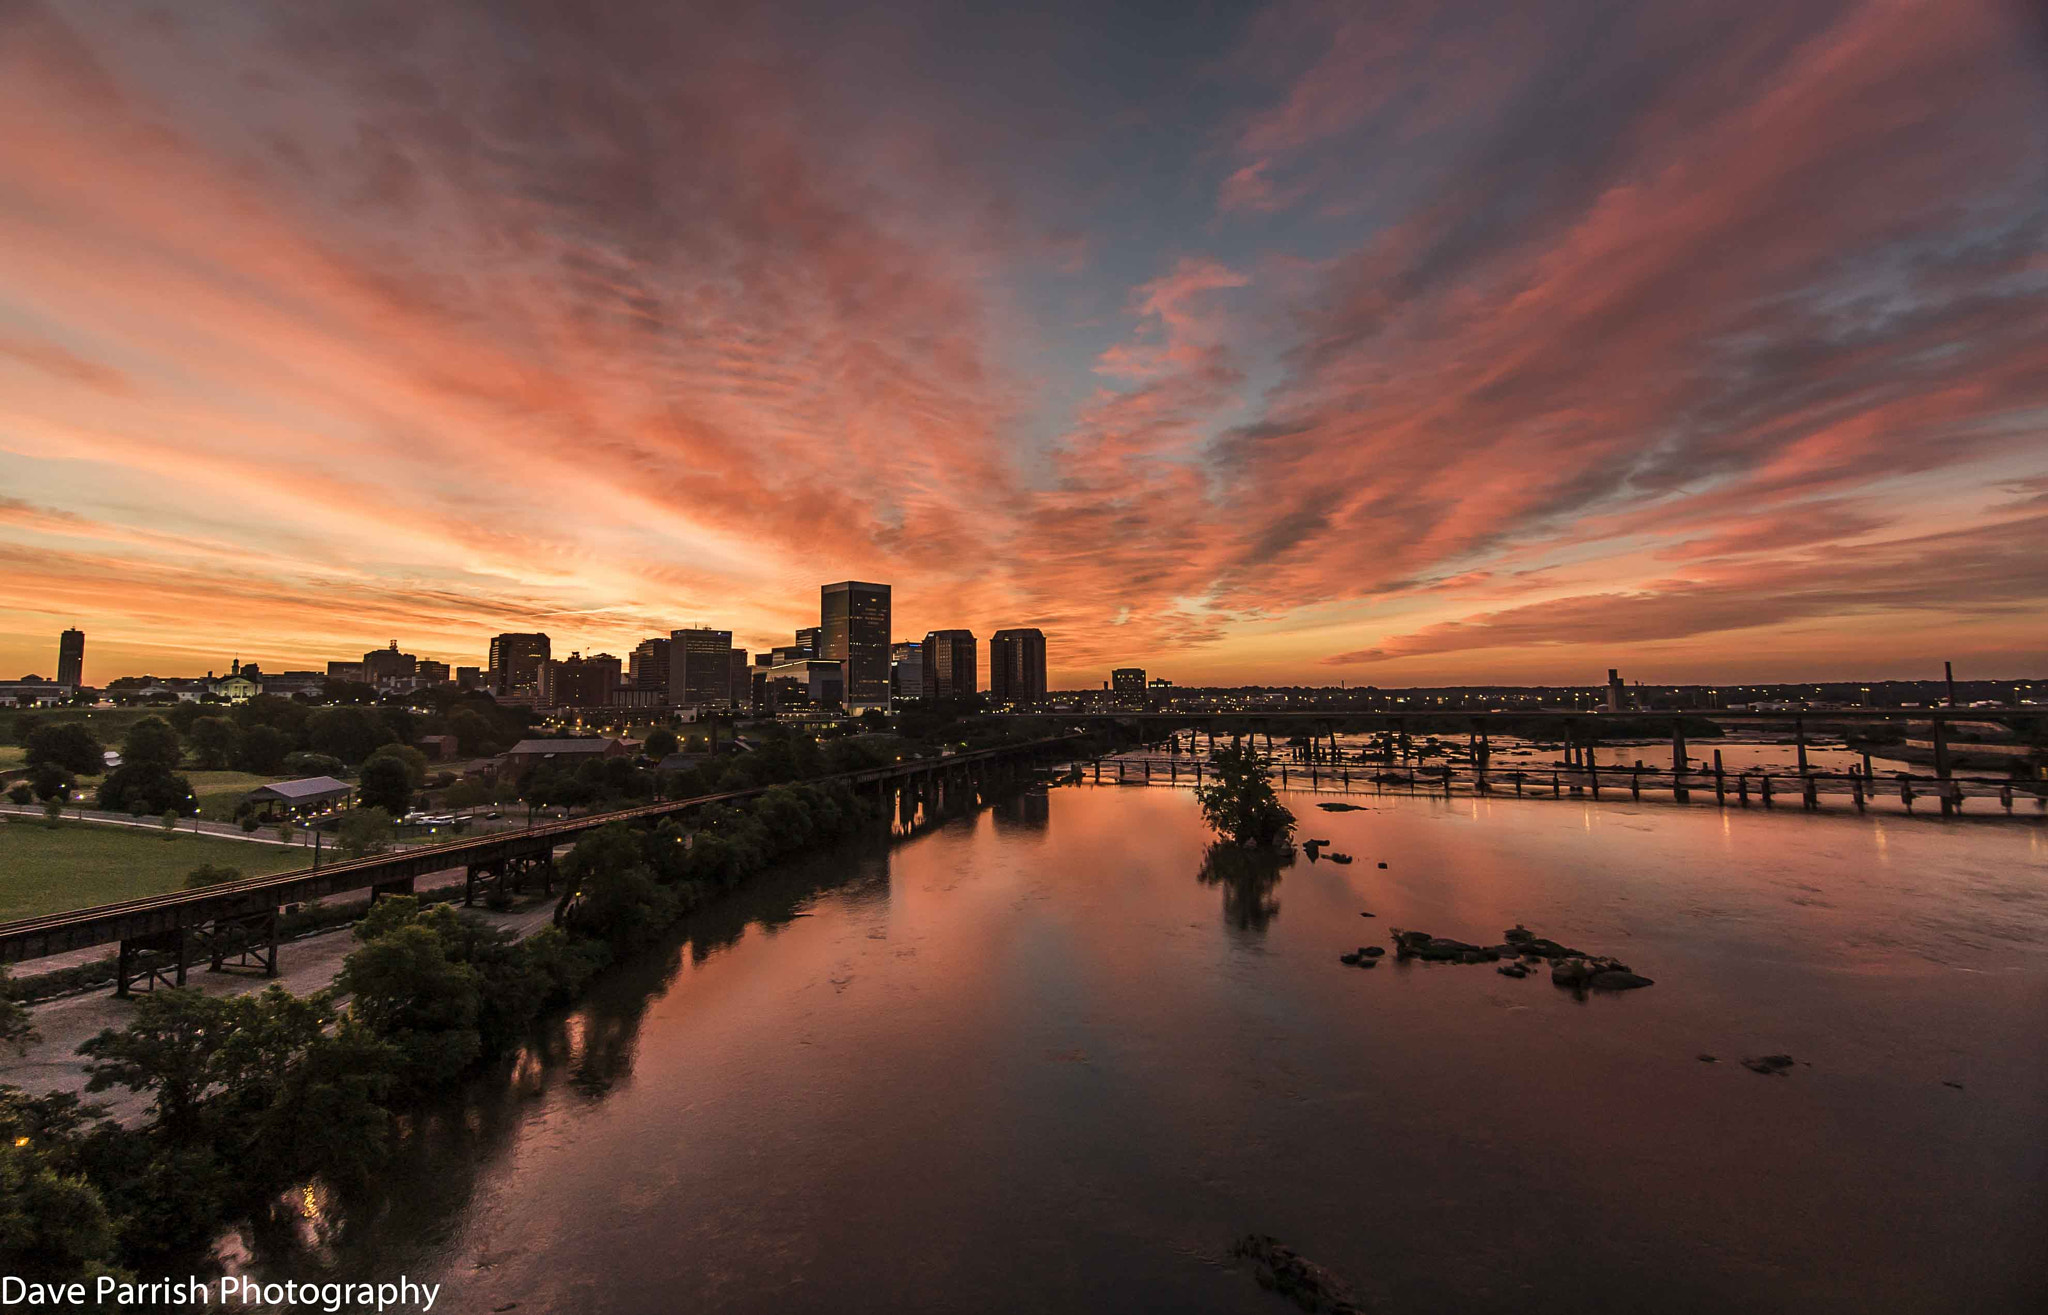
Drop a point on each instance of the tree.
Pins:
(414, 761)
(167, 1050)
(385, 784)
(213, 742)
(304, 762)
(468, 793)
(661, 742)
(169, 822)
(143, 788)
(473, 732)
(152, 743)
(52, 1225)
(407, 992)
(610, 892)
(21, 793)
(363, 831)
(68, 746)
(1240, 805)
(17, 1028)
(49, 781)
(350, 732)
(262, 750)
(53, 811)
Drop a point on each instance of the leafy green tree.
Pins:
(53, 811)
(152, 743)
(363, 831)
(384, 783)
(53, 1226)
(49, 781)
(212, 742)
(660, 743)
(468, 793)
(21, 793)
(414, 762)
(350, 732)
(1240, 805)
(304, 762)
(144, 788)
(473, 732)
(168, 1050)
(68, 746)
(17, 1028)
(610, 893)
(262, 750)
(408, 992)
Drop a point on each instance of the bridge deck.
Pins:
(35, 938)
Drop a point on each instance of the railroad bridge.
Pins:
(234, 925)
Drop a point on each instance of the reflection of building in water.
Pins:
(1030, 811)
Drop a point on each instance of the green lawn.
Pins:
(219, 792)
(80, 864)
(12, 756)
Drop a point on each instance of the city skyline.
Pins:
(1425, 345)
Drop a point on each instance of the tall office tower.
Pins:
(742, 681)
(71, 658)
(648, 666)
(808, 639)
(906, 671)
(1128, 680)
(1016, 666)
(854, 620)
(949, 664)
(700, 668)
(515, 663)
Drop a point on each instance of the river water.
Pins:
(1031, 1060)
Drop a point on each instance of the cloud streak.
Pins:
(1438, 324)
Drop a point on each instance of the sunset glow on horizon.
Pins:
(1289, 344)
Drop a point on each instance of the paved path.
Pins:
(304, 966)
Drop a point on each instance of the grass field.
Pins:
(80, 864)
(12, 756)
(219, 792)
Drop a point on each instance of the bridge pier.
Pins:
(140, 961)
(1678, 763)
(249, 938)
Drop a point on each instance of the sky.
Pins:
(1382, 343)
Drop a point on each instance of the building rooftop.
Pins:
(310, 787)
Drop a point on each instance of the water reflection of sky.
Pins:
(1034, 1061)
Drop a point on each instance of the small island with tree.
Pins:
(1241, 805)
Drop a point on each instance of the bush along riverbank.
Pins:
(254, 1096)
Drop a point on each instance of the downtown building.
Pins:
(950, 660)
(700, 668)
(906, 671)
(648, 667)
(853, 626)
(515, 664)
(71, 658)
(1016, 667)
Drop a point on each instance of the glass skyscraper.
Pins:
(854, 620)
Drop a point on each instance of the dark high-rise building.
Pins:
(700, 668)
(1128, 680)
(906, 671)
(429, 672)
(1016, 666)
(578, 681)
(381, 664)
(742, 678)
(949, 665)
(649, 666)
(808, 639)
(469, 677)
(515, 663)
(71, 658)
(853, 621)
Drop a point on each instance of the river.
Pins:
(1030, 1060)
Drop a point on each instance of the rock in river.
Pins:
(1769, 1065)
(1283, 1270)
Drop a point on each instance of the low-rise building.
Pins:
(311, 794)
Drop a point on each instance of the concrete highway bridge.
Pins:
(234, 925)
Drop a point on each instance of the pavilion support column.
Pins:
(1941, 767)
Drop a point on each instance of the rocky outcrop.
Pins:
(1285, 1271)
